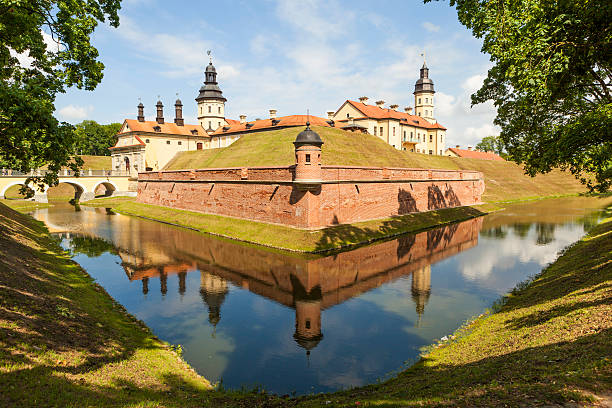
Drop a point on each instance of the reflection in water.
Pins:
(249, 315)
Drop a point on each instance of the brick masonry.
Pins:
(344, 194)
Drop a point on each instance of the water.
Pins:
(249, 316)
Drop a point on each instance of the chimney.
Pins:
(242, 119)
(380, 103)
(272, 113)
(140, 116)
(458, 146)
(330, 115)
(394, 107)
(469, 147)
(363, 99)
(160, 113)
(408, 110)
(178, 113)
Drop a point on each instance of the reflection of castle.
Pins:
(307, 285)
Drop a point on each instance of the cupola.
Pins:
(308, 158)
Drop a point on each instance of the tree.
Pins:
(491, 144)
(45, 48)
(551, 82)
(95, 139)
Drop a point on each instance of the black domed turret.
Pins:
(424, 83)
(178, 103)
(140, 105)
(308, 137)
(210, 90)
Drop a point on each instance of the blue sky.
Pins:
(289, 55)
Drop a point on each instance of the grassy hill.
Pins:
(504, 180)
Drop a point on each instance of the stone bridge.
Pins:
(85, 185)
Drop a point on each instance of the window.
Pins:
(308, 323)
(404, 135)
(147, 141)
(419, 101)
(431, 152)
(374, 130)
(348, 116)
(431, 138)
(199, 146)
(167, 142)
(441, 138)
(393, 131)
(440, 152)
(180, 143)
(209, 124)
(200, 110)
(307, 158)
(381, 131)
(411, 137)
(219, 124)
(426, 100)
(219, 110)
(209, 108)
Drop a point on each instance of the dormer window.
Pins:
(226, 128)
(194, 131)
(275, 122)
(331, 123)
(157, 128)
(249, 125)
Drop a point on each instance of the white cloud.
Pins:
(431, 27)
(72, 112)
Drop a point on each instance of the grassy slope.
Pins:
(65, 342)
(504, 180)
(283, 237)
(548, 344)
(96, 162)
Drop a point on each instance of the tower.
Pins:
(213, 290)
(421, 289)
(308, 158)
(211, 103)
(308, 305)
(424, 95)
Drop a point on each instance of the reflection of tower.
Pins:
(307, 315)
(163, 280)
(421, 289)
(145, 285)
(213, 290)
(181, 277)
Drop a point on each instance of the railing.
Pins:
(67, 173)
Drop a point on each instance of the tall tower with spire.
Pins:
(424, 95)
(211, 103)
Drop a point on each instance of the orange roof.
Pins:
(283, 121)
(376, 112)
(232, 121)
(166, 128)
(475, 154)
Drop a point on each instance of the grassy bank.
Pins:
(293, 239)
(64, 342)
(504, 180)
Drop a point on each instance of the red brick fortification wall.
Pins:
(345, 195)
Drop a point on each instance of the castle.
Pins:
(149, 145)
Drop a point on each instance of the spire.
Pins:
(210, 90)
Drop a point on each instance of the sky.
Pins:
(288, 55)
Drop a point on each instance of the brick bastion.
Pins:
(309, 195)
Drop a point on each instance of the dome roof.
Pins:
(178, 102)
(308, 343)
(159, 103)
(424, 83)
(308, 136)
(140, 105)
(210, 67)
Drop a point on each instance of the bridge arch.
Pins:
(79, 188)
(13, 184)
(108, 185)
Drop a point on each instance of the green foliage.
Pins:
(551, 82)
(45, 49)
(95, 139)
(91, 246)
(492, 144)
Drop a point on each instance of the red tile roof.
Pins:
(166, 128)
(283, 121)
(376, 112)
(475, 154)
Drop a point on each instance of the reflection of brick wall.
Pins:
(347, 194)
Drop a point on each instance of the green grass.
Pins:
(96, 162)
(287, 238)
(24, 205)
(504, 180)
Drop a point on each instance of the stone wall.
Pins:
(345, 195)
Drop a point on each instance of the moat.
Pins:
(250, 317)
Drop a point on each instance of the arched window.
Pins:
(209, 108)
(219, 110)
(199, 146)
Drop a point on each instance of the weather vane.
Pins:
(209, 56)
(423, 55)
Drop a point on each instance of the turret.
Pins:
(160, 112)
(308, 158)
(424, 95)
(140, 116)
(211, 103)
(178, 113)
